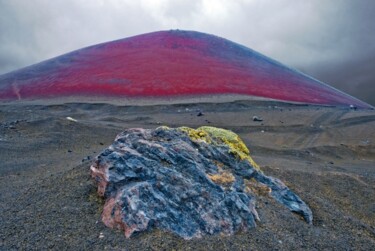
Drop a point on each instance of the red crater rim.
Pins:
(168, 64)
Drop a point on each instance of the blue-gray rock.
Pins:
(190, 182)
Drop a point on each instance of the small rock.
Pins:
(200, 114)
(256, 118)
(86, 158)
(69, 151)
(101, 235)
(365, 142)
(353, 107)
(71, 119)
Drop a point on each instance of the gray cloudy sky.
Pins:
(331, 40)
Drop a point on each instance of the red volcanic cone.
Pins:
(164, 64)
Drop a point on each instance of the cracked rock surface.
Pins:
(192, 182)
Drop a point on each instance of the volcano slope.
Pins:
(168, 64)
(50, 132)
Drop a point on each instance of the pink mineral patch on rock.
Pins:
(100, 174)
(168, 64)
(111, 216)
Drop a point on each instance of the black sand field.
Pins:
(325, 154)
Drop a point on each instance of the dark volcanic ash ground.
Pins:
(323, 154)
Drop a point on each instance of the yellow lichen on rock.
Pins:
(196, 134)
(214, 135)
(232, 140)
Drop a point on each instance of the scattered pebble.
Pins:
(86, 158)
(365, 142)
(353, 107)
(101, 235)
(256, 118)
(11, 124)
(71, 119)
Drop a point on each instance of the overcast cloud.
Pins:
(333, 41)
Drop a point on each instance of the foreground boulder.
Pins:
(192, 182)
